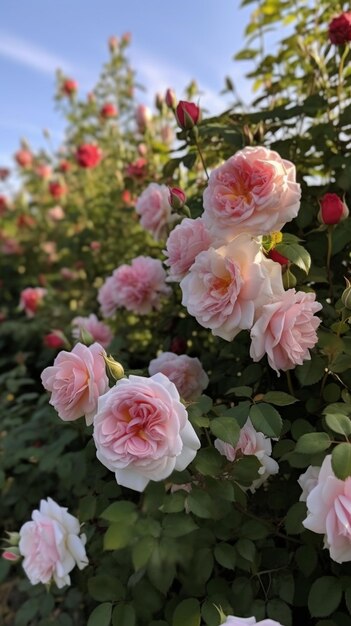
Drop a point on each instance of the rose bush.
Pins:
(221, 414)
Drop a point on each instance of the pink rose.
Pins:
(31, 298)
(155, 210)
(56, 213)
(231, 620)
(308, 481)
(76, 380)
(99, 331)
(51, 545)
(285, 330)
(224, 286)
(184, 371)
(254, 192)
(329, 512)
(142, 432)
(137, 287)
(251, 443)
(184, 243)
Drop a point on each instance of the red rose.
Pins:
(57, 189)
(88, 155)
(108, 110)
(332, 209)
(69, 86)
(187, 114)
(137, 169)
(340, 29)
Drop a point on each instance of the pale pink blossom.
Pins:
(67, 273)
(138, 287)
(184, 371)
(99, 331)
(184, 243)
(56, 213)
(255, 191)
(10, 245)
(52, 545)
(142, 431)
(251, 443)
(308, 481)
(231, 620)
(143, 117)
(155, 210)
(225, 285)
(30, 300)
(285, 330)
(76, 380)
(329, 512)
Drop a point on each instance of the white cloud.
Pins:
(33, 56)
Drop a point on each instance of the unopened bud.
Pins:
(187, 114)
(332, 209)
(159, 102)
(113, 43)
(11, 555)
(176, 198)
(170, 99)
(85, 337)
(114, 367)
(346, 295)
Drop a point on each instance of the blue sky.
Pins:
(172, 43)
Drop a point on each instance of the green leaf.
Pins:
(208, 462)
(312, 443)
(310, 372)
(294, 518)
(178, 525)
(325, 596)
(141, 552)
(226, 429)
(240, 392)
(87, 508)
(120, 512)
(200, 503)
(101, 615)
(187, 613)
(246, 549)
(118, 536)
(278, 610)
(103, 588)
(225, 555)
(246, 470)
(339, 423)
(306, 559)
(266, 419)
(296, 254)
(123, 615)
(341, 460)
(280, 398)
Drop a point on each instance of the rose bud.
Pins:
(11, 555)
(187, 114)
(113, 43)
(88, 155)
(54, 340)
(69, 86)
(171, 99)
(159, 102)
(177, 198)
(108, 110)
(24, 157)
(332, 209)
(274, 255)
(3, 205)
(126, 38)
(340, 29)
(57, 189)
(64, 166)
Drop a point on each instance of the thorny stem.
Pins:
(329, 253)
(290, 385)
(340, 77)
(201, 156)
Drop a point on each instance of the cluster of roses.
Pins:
(228, 283)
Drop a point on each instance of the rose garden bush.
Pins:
(176, 283)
